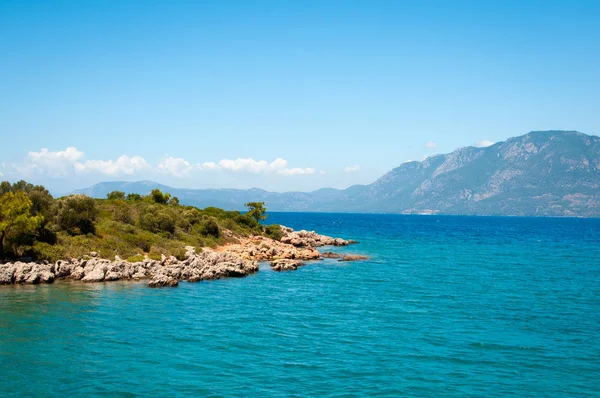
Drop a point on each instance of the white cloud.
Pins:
(431, 145)
(208, 166)
(484, 143)
(177, 167)
(296, 171)
(252, 166)
(351, 169)
(123, 165)
(58, 163)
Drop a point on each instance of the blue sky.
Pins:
(281, 95)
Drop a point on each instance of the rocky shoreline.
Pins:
(233, 260)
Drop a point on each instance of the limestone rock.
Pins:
(162, 280)
(353, 257)
(7, 273)
(286, 264)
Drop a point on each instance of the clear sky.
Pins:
(281, 95)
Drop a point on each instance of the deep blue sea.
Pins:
(447, 306)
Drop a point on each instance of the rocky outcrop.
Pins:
(230, 261)
(162, 280)
(286, 265)
(353, 257)
(260, 248)
(310, 239)
(194, 267)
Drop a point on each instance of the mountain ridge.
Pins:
(541, 173)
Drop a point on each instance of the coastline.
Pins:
(228, 261)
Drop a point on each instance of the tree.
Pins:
(134, 197)
(116, 195)
(158, 219)
(256, 210)
(77, 214)
(174, 201)
(16, 219)
(158, 197)
(5, 187)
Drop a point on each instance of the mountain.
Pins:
(542, 173)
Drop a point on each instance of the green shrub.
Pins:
(158, 197)
(274, 231)
(156, 219)
(45, 251)
(76, 214)
(135, 258)
(116, 195)
(210, 227)
(134, 197)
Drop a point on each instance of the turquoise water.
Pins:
(453, 306)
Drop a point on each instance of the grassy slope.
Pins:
(121, 230)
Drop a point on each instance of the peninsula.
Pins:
(135, 237)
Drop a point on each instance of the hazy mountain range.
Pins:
(542, 173)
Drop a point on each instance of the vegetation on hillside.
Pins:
(34, 224)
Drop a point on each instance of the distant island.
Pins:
(140, 237)
(542, 173)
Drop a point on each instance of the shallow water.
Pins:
(449, 306)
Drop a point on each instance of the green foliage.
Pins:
(134, 197)
(210, 227)
(256, 210)
(274, 231)
(75, 225)
(135, 258)
(48, 252)
(158, 219)
(158, 197)
(76, 214)
(16, 221)
(116, 195)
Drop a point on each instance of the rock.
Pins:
(113, 276)
(286, 264)
(94, 254)
(22, 272)
(309, 239)
(46, 277)
(353, 257)
(63, 269)
(7, 273)
(95, 275)
(162, 280)
(77, 273)
(330, 255)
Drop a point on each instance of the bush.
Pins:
(210, 227)
(123, 214)
(158, 197)
(76, 214)
(116, 195)
(274, 231)
(156, 219)
(134, 197)
(45, 251)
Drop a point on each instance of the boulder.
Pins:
(330, 255)
(353, 257)
(7, 273)
(286, 265)
(162, 280)
(77, 273)
(96, 274)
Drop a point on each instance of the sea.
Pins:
(445, 306)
